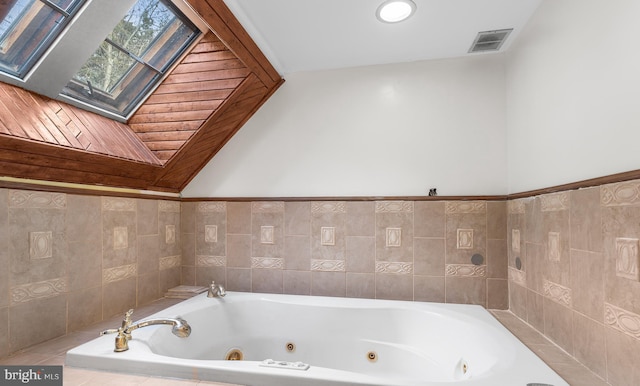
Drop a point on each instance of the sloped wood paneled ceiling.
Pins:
(207, 97)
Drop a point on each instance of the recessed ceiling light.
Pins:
(393, 11)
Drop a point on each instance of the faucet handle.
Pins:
(215, 290)
(109, 331)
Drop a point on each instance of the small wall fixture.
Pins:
(393, 11)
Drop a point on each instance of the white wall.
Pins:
(573, 93)
(389, 130)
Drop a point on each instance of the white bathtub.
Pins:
(344, 341)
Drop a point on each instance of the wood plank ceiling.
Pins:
(205, 100)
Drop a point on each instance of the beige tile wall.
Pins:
(68, 261)
(402, 250)
(578, 282)
(73, 260)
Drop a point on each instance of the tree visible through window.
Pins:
(134, 56)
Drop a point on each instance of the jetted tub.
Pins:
(287, 340)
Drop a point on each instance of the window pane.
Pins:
(144, 22)
(133, 57)
(106, 67)
(28, 27)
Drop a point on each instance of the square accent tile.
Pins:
(515, 240)
(210, 233)
(328, 236)
(170, 234)
(40, 245)
(554, 246)
(120, 238)
(266, 234)
(627, 258)
(394, 237)
(465, 239)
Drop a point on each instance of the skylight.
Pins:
(28, 28)
(135, 55)
(70, 50)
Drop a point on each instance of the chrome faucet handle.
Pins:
(216, 290)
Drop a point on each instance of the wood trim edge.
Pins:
(104, 191)
(609, 179)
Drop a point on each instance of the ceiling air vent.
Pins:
(489, 40)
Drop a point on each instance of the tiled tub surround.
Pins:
(578, 280)
(68, 258)
(402, 250)
(69, 261)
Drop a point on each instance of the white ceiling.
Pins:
(310, 35)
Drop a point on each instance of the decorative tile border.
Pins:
(34, 199)
(212, 207)
(117, 204)
(466, 270)
(394, 237)
(328, 236)
(169, 262)
(396, 267)
(40, 245)
(622, 193)
(211, 261)
(515, 240)
(267, 262)
(558, 293)
(267, 234)
(464, 239)
(210, 233)
(327, 265)
(169, 206)
(553, 246)
(622, 320)
(267, 206)
(516, 206)
(554, 202)
(43, 289)
(517, 276)
(170, 234)
(120, 238)
(627, 258)
(455, 207)
(328, 207)
(110, 275)
(394, 206)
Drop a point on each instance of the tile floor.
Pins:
(53, 353)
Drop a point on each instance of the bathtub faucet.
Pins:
(180, 329)
(215, 290)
